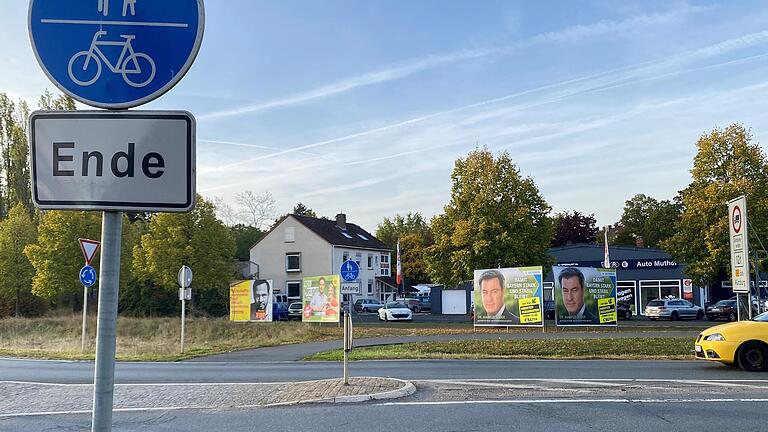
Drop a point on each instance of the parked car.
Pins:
(279, 307)
(295, 310)
(367, 305)
(673, 309)
(623, 310)
(742, 343)
(418, 304)
(395, 312)
(723, 309)
(549, 309)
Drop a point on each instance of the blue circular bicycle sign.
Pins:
(115, 53)
(349, 270)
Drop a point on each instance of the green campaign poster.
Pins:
(509, 297)
(585, 296)
(320, 298)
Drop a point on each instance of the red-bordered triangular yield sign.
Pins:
(89, 248)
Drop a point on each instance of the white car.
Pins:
(395, 312)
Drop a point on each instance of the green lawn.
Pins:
(675, 348)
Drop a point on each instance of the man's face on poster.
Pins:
(261, 295)
(321, 286)
(573, 295)
(493, 295)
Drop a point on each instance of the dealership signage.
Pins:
(633, 264)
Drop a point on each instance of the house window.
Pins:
(385, 265)
(293, 262)
(370, 286)
(345, 257)
(370, 261)
(290, 234)
(362, 236)
(346, 235)
(358, 258)
(294, 289)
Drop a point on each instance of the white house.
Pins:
(302, 246)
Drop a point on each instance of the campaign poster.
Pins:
(509, 297)
(585, 296)
(251, 300)
(320, 298)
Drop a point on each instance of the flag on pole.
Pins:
(607, 260)
(399, 265)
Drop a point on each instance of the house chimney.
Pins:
(639, 242)
(341, 221)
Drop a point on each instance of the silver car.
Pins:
(673, 309)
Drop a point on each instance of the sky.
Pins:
(362, 107)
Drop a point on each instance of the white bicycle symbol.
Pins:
(129, 64)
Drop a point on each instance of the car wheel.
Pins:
(675, 316)
(365, 310)
(699, 314)
(416, 309)
(753, 357)
(385, 317)
(732, 317)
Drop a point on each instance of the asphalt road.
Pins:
(224, 372)
(453, 395)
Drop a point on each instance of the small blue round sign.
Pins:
(349, 270)
(87, 276)
(115, 53)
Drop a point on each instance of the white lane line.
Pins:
(728, 384)
(600, 380)
(573, 401)
(515, 386)
(125, 23)
(597, 383)
(138, 409)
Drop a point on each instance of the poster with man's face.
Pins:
(584, 296)
(509, 297)
(250, 300)
(320, 298)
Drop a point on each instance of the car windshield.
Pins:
(656, 303)
(723, 303)
(763, 317)
(295, 306)
(396, 306)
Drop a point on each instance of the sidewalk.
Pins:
(30, 398)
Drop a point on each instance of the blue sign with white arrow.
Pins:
(115, 53)
(87, 276)
(349, 270)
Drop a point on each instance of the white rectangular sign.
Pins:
(113, 160)
(737, 225)
(350, 287)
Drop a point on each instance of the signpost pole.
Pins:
(183, 308)
(85, 311)
(109, 276)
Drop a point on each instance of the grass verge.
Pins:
(158, 339)
(674, 348)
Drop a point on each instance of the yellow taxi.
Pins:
(742, 343)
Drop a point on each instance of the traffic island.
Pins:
(29, 399)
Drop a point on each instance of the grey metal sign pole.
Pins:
(85, 314)
(109, 282)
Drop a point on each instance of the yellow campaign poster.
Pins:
(530, 310)
(240, 301)
(509, 297)
(606, 307)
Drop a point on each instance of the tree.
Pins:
(495, 218)
(727, 164)
(16, 271)
(390, 230)
(573, 228)
(14, 152)
(412, 256)
(196, 239)
(245, 237)
(647, 218)
(257, 209)
(50, 102)
(224, 211)
(57, 257)
(302, 210)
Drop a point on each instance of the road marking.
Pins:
(514, 386)
(573, 401)
(728, 384)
